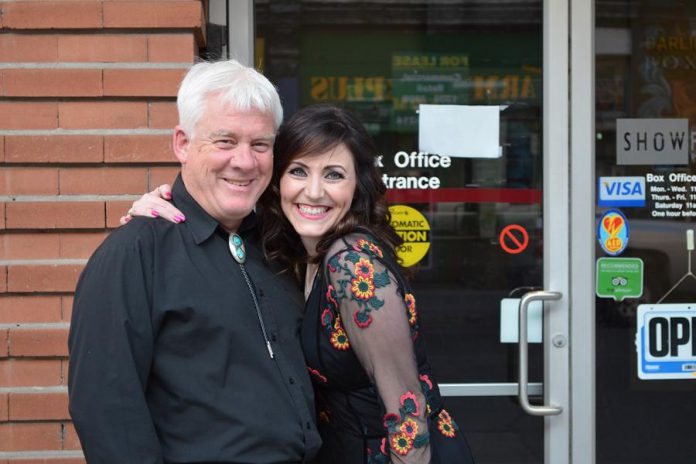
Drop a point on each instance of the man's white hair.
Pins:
(240, 86)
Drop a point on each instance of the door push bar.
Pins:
(523, 395)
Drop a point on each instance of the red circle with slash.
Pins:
(513, 239)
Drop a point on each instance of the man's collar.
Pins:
(202, 224)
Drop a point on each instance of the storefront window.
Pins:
(645, 118)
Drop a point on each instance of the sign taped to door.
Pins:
(666, 341)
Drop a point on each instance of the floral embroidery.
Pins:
(337, 334)
(323, 416)
(446, 425)
(364, 268)
(362, 319)
(363, 288)
(401, 444)
(410, 301)
(331, 296)
(317, 375)
(409, 427)
(403, 428)
(412, 314)
(381, 457)
(339, 337)
(371, 248)
(409, 403)
(426, 383)
(327, 318)
(360, 282)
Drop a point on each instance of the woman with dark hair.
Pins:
(325, 216)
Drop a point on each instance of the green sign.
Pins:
(619, 278)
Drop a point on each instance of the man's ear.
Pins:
(180, 144)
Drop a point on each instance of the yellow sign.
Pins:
(414, 229)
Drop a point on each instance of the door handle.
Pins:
(546, 409)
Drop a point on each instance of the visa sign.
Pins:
(621, 191)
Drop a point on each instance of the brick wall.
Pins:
(87, 91)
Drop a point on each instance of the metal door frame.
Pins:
(582, 231)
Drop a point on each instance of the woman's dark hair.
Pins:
(315, 130)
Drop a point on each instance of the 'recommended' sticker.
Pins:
(619, 278)
(613, 232)
(414, 229)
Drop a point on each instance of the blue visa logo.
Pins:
(621, 191)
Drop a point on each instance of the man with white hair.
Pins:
(183, 342)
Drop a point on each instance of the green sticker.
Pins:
(619, 278)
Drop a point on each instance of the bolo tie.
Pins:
(239, 254)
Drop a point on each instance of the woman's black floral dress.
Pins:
(376, 399)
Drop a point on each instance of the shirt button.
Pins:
(291, 380)
(309, 426)
(260, 292)
(273, 337)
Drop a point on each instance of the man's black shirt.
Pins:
(167, 360)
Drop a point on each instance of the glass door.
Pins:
(645, 338)
(467, 102)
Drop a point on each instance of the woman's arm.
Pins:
(375, 317)
(155, 204)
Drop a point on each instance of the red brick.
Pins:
(176, 48)
(43, 278)
(66, 303)
(4, 343)
(163, 115)
(70, 439)
(55, 215)
(30, 309)
(153, 14)
(28, 115)
(114, 211)
(102, 48)
(3, 279)
(162, 175)
(138, 149)
(38, 406)
(2, 148)
(142, 82)
(47, 460)
(30, 373)
(65, 370)
(28, 48)
(54, 149)
(4, 407)
(103, 181)
(46, 342)
(102, 115)
(30, 437)
(29, 246)
(29, 181)
(52, 82)
(80, 245)
(52, 15)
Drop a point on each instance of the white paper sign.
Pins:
(460, 131)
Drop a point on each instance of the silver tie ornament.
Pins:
(237, 248)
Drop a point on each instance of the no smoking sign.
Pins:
(513, 239)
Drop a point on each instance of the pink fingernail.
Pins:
(167, 196)
(155, 213)
(180, 218)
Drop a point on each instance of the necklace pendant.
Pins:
(237, 248)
